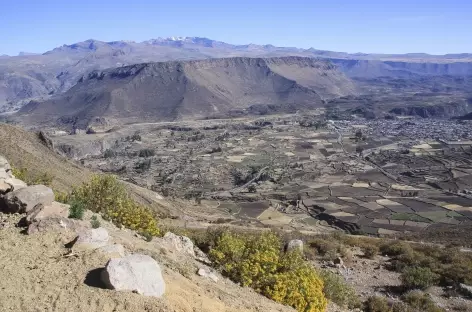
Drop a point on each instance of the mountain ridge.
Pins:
(38, 77)
(167, 91)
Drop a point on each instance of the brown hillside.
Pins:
(178, 90)
(24, 149)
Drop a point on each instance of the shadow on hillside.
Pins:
(93, 279)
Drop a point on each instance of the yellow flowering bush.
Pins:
(105, 195)
(257, 261)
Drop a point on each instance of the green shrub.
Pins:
(135, 137)
(377, 304)
(104, 194)
(421, 301)
(143, 165)
(95, 222)
(256, 261)
(370, 251)
(418, 278)
(338, 291)
(327, 248)
(396, 249)
(147, 152)
(109, 153)
(76, 209)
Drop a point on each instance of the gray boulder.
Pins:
(294, 244)
(40, 212)
(137, 273)
(179, 243)
(92, 239)
(16, 183)
(25, 199)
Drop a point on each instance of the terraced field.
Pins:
(292, 172)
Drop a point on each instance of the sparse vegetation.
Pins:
(377, 304)
(143, 166)
(433, 264)
(338, 291)
(95, 222)
(109, 153)
(420, 301)
(370, 251)
(29, 178)
(147, 152)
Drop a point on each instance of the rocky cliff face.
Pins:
(401, 69)
(434, 111)
(192, 89)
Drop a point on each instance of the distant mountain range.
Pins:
(39, 77)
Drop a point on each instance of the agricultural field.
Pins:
(301, 172)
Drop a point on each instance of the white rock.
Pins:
(295, 244)
(179, 243)
(113, 251)
(204, 272)
(92, 239)
(25, 199)
(137, 273)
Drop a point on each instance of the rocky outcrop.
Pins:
(25, 199)
(41, 212)
(179, 243)
(294, 244)
(136, 273)
(434, 111)
(16, 184)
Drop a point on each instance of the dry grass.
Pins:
(25, 150)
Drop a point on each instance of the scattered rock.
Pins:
(294, 244)
(338, 262)
(205, 272)
(466, 289)
(41, 211)
(16, 184)
(113, 251)
(92, 239)
(25, 199)
(201, 256)
(180, 243)
(137, 273)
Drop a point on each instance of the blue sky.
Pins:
(394, 26)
